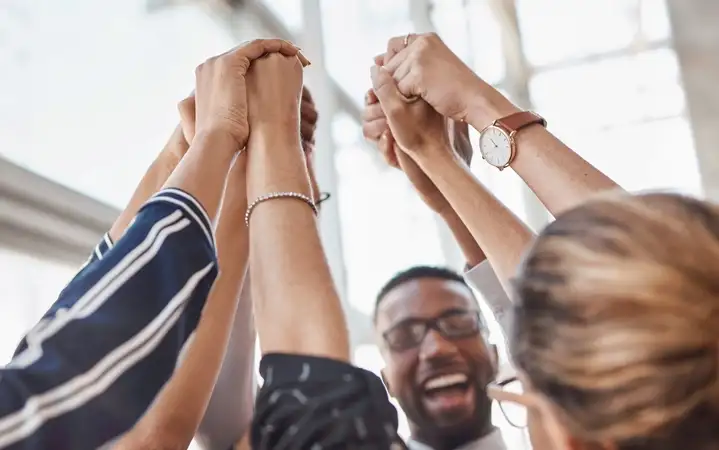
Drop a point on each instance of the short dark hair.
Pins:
(415, 273)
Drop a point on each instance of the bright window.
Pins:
(386, 227)
(29, 287)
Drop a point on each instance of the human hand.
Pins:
(459, 140)
(427, 68)
(187, 111)
(308, 120)
(308, 126)
(376, 129)
(221, 87)
(274, 89)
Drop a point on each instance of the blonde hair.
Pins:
(617, 321)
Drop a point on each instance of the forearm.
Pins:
(229, 412)
(503, 238)
(176, 414)
(473, 254)
(559, 177)
(297, 309)
(203, 170)
(151, 182)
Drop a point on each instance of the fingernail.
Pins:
(303, 59)
(374, 71)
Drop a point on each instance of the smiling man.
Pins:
(438, 361)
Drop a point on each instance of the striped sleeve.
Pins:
(91, 368)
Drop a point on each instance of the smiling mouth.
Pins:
(446, 384)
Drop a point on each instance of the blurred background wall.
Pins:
(89, 91)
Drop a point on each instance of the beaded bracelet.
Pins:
(274, 195)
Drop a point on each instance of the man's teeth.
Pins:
(445, 381)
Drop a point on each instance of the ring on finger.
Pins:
(406, 39)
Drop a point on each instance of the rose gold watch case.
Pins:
(510, 138)
(510, 125)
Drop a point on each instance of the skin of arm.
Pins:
(297, 308)
(229, 412)
(559, 176)
(504, 237)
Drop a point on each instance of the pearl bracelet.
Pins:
(275, 195)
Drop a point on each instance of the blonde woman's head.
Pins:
(617, 322)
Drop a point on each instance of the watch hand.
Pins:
(493, 143)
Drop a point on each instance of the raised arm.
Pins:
(222, 131)
(376, 130)
(290, 275)
(229, 412)
(175, 415)
(418, 130)
(480, 273)
(311, 396)
(426, 67)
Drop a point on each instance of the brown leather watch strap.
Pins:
(517, 121)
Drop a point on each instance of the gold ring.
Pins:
(406, 39)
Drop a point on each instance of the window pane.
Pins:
(485, 35)
(655, 19)
(357, 30)
(450, 20)
(386, 227)
(652, 155)
(288, 11)
(473, 33)
(572, 28)
(611, 91)
(29, 286)
(95, 84)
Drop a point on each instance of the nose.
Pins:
(436, 346)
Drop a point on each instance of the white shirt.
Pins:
(492, 441)
(482, 278)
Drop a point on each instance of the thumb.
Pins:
(385, 88)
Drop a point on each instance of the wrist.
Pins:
(276, 162)
(215, 140)
(435, 159)
(486, 104)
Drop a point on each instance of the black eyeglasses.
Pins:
(510, 395)
(452, 325)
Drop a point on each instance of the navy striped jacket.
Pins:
(94, 363)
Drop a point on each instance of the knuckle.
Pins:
(367, 132)
(423, 43)
(395, 109)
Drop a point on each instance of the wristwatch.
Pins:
(496, 142)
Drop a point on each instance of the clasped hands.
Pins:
(255, 91)
(256, 86)
(423, 99)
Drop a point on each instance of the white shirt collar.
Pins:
(492, 441)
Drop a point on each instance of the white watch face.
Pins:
(495, 146)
